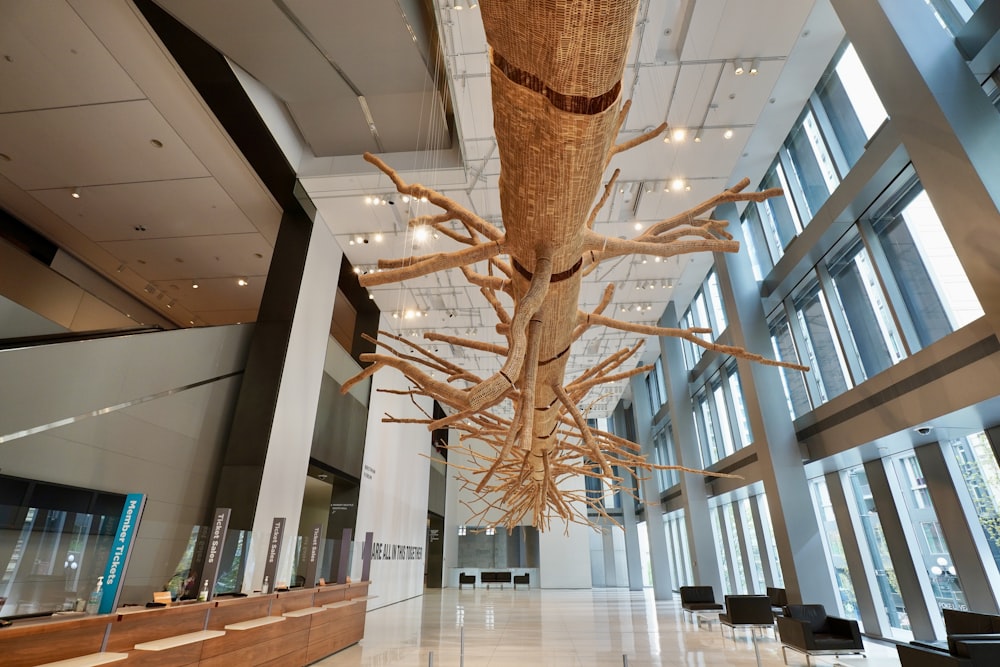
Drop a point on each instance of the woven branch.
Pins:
(458, 211)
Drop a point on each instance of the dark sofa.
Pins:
(973, 641)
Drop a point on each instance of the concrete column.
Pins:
(659, 560)
(704, 563)
(766, 559)
(263, 475)
(914, 585)
(859, 563)
(633, 559)
(796, 529)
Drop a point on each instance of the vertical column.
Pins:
(727, 547)
(796, 529)
(742, 525)
(649, 492)
(633, 559)
(264, 470)
(945, 121)
(925, 621)
(859, 563)
(763, 543)
(704, 563)
(969, 552)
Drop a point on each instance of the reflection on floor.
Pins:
(564, 628)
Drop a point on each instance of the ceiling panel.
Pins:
(188, 207)
(232, 255)
(51, 59)
(93, 145)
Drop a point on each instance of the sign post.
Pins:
(121, 551)
(273, 552)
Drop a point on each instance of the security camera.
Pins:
(391, 200)
(923, 430)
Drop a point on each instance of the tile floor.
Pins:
(564, 628)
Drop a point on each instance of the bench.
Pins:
(494, 578)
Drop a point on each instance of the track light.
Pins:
(738, 67)
(754, 66)
(75, 194)
(728, 134)
(242, 282)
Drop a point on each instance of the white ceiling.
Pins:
(91, 100)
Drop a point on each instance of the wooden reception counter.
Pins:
(296, 627)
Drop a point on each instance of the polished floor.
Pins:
(564, 628)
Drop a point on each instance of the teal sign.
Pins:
(121, 550)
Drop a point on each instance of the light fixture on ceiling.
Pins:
(75, 194)
(171, 303)
(371, 297)
(378, 237)
(194, 284)
(728, 134)
(242, 282)
(677, 184)
(637, 226)
(420, 233)
(754, 67)
(738, 67)
(697, 136)
(678, 135)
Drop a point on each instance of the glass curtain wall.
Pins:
(873, 539)
(834, 549)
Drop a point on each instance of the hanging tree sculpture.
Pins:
(556, 71)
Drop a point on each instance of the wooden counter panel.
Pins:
(328, 594)
(242, 609)
(328, 638)
(275, 649)
(296, 657)
(238, 639)
(181, 656)
(358, 590)
(292, 600)
(144, 626)
(39, 642)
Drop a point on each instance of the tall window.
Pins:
(793, 381)
(835, 548)
(860, 298)
(931, 546)
(885, 573)
(849, 104)
(953, 14)
(826, 358)
(746, 436)
(811, 165)
(981, 474)
(934, 288)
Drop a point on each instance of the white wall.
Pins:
(564, 557)
(393, 497)
(147, 413)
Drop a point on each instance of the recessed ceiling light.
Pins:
(75, 194)
(378, 237)
(637, 226)
(194, 285)
(728, 134)
(679, 134)
(677, 183)
(242, 282)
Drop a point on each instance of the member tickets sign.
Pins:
(121, 551)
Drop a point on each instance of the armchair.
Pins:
(464, 578)
(807, 629)
(963, 651)
(778, 599)
(747, 611)
(696, 600)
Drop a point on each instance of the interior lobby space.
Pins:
(509, 319)
(565, 628)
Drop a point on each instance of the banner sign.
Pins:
(121, 551)
(273, 552)
(345, 557)
(313, 555)
(366, 556)
(213, 556)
